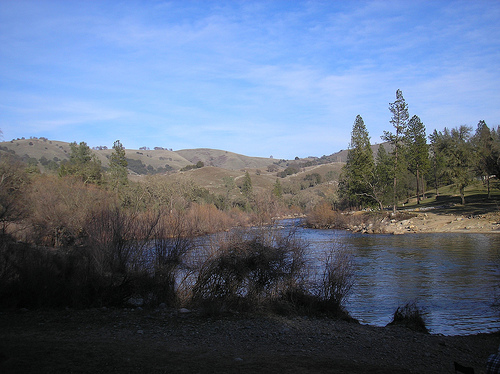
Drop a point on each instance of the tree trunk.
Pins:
(394, 196)
(436, 179)
(395, 201)
(488, 184)
(462, 194)
(418, 189)
(423, 187)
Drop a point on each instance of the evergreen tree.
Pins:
(416, 150)
(83, 163)
(118, 165)
(457, 147)
(495, 152)
(277, 189)
(483, 149)
(246, 188)
(399, 121)
(437, 160)
(383, 178)
(358, 171)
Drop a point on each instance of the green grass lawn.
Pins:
(449, 201)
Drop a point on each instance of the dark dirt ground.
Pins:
(166, 341)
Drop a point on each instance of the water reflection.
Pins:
(453, 277)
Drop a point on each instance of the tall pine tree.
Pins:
(118, 165)
(437, 160)
(399, 121)
(383, 178)
(416, 150)
(483, 150)
(83, 163)
(457, 148)
(358, 170)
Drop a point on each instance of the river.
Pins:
(454, 278)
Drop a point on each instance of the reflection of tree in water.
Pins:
(496, 291)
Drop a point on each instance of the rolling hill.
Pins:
(224, 159)
(218, 163)
(147, 161)
(304, 181)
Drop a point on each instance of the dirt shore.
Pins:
(430, 222)
(166, 341)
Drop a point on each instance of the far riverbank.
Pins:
(430, 222)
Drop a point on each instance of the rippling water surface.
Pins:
(454, 278)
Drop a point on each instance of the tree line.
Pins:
(410, 164)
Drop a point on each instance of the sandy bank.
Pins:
(422, 222)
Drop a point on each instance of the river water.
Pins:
(454, 278)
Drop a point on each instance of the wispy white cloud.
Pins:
(223, 74)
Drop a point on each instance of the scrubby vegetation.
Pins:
(87, 237)
(410, 316)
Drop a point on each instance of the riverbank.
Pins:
(430, 222)
(168, 341)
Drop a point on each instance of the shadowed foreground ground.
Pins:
(142, 341)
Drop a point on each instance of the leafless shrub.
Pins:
(246, 270)
(323, 216)
(410, 316)
(207, 219)
(172, 240)
(13, 183)
(338, 277)
(60, 207)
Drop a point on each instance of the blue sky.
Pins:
(261, 78)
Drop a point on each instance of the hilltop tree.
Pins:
(82, 163)
(359, 168)
(416, 150)
(399, 121)
(118, 165)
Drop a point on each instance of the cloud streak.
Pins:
(258, 78)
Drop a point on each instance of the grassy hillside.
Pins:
(37, 148)
(341, 156)
(304, 181)
(163, 158)
(151, 159)
(224, 159)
